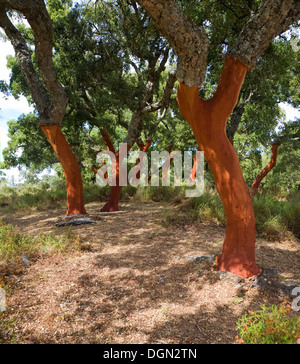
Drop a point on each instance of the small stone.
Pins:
(163, 279)
(25, 259)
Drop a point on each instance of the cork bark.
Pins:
(187, 39)
(75, 198)
(208, 118)
(47, 92)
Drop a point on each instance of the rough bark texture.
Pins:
(75, 198)
(37, 89)
(37, 15)
(266, 170)
(191, 44)
(235, 121)
(208, 120)
(48, 94)
(188, 41)
(273, 18)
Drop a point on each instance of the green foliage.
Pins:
(207, 207)
(286, 175)
(45, 194)
(13, 244)
(27, 145)
(4, 88)
(158, 194)
(102, 55)
(275, 217)
(270, 325)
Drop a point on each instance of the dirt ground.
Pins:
(134, 281)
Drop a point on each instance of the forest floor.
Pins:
(134, 280)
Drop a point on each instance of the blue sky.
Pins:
(11, 109)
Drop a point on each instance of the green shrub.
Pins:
(159, 193)
(291, 214)
(208, 207)
(274, 217)
(13, 244)
(271, 325)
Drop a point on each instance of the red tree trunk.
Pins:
(208, 120)
(195, 167)
(143, 148)
(112, 204)
(75, 198)
(266, 170)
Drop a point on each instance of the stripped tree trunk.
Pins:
(49, 97)
(112, 204)
(208, 118)
(75, 198)
(195, 167)
(136, 126)
(266, 170)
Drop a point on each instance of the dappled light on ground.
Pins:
(133, 281)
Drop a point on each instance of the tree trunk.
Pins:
(51, 101)
(266, 170)
(112, 204)
(208, 120)
(195, 167)
(75, 199)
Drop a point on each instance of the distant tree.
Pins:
(286, 175)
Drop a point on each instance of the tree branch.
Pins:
(292, 17)
(272, 18)
(166, 97)
(107, 141)
(36, 87)
(189, 42)
(37, 15)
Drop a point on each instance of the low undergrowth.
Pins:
(276, 217)
(14, 245)
(269, 325)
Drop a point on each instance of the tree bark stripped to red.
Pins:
(208, 120)
(143, 148)
(75, 198)
(162, 167)
(266, 170)
(112, 204)
(195, 166)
